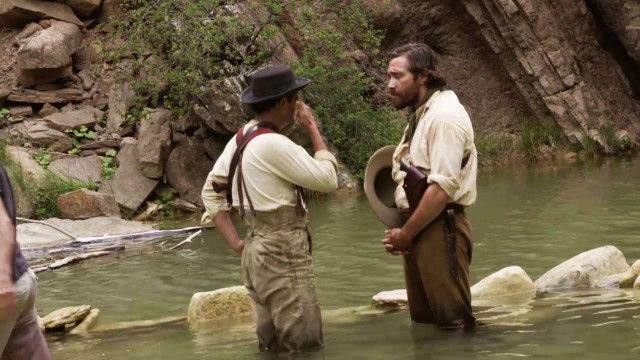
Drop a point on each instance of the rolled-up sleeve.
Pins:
(214, 201)
(446, 143)
(317, 173)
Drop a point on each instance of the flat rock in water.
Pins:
(391, 300)
(508, 281)
(221, 303)
(584, 270)
(65, 316)
(32, 235)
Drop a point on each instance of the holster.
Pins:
(450, 238)
(415, 184)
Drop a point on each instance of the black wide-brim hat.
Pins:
(272, 82)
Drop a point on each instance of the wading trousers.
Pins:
(278, 273)
(435, 295)
(20, 335)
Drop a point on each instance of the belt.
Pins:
(456, 208)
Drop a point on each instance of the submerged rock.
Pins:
(584, 270)
(391, 300)
(86, 324)
(69, 315)
(221, 303)
(508, 281)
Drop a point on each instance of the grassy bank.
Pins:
(42, 194)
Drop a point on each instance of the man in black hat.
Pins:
(261, 173)
(438, 144)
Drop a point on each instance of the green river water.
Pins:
(532, 217)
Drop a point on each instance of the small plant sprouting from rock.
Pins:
(43, 159)
(82, 133)
(108, 165)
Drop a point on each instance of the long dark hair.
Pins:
(422, 61)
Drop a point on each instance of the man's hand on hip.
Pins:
(7, 298)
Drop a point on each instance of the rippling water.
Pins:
(534, 218)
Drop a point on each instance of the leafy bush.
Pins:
(199, 41)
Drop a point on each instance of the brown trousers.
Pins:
(434, 295)
(20, 335)
(277, 271)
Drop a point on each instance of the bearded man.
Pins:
(436, 238)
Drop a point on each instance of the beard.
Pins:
(400, 101)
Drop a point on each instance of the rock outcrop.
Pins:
(584, 270)
(221, 303)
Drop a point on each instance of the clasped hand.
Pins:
(396, 242)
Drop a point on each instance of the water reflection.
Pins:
(533, 218)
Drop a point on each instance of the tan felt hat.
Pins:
(380, 187)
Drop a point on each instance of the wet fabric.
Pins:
(20, 336)
(277, 271)
(434, 295)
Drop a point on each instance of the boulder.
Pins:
(82, 169)
(31, 171)
(85, 204)
(220, 108)
(87, 324)
(508, 281)
(47, 110)
(50, 48)
(101, 144)
(74, 120)
(120, 99)
(49, 96)
(16, 13)
(187, 169)
(154, 143)
(4, 93)
(34, 235)
(109, 9)
(221, 303)
(20, 111)
(65, 316)
(84, 8)
(391, 300)
(584, 270)
(27, 32)
(55, 140)
(29, 78)
(129, 185)
(628, 277)
(636, 284)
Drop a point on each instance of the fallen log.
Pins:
(71, 260)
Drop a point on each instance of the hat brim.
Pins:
(248, 97)
(379, 187)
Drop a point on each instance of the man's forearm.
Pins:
(431, 205)
(227, 229)
(316, 138)
(7, 247)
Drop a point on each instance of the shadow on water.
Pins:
(533, 218)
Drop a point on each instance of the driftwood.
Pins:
(187, 240)
(71, 260)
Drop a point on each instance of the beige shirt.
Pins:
(443, 137)
(272, 166)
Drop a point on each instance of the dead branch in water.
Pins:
(71, 260)
(187, 240)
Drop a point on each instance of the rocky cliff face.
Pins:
(574, 63)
